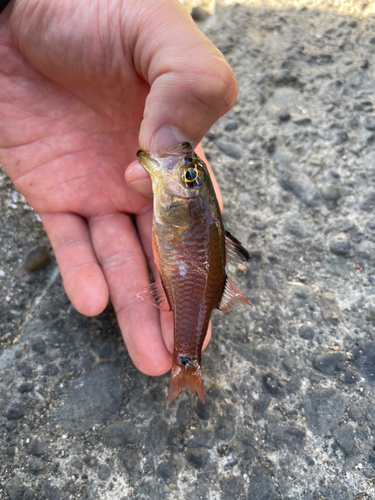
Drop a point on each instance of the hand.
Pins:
(83, 85)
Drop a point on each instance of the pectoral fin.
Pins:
(236, 253)
(231, 297)
(155, 293)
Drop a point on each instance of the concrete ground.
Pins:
(289, 384)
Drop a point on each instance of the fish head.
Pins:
(177, 172)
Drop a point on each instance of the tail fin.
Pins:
(185, 376)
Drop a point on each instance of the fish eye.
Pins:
(190, 177)
(191, 174)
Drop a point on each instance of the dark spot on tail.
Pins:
(185, 360)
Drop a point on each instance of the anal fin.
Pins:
(236, 252)
(155, 293)
(231, 297)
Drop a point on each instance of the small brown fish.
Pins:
(191, 249)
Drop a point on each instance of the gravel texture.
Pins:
(289, 383)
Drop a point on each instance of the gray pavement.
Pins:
(290, 410)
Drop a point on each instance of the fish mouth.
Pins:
(147, 162)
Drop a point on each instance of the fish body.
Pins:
(190, 249)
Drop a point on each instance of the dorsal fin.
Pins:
(155, 293)
(231, 297)
(236, 252)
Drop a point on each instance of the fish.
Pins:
(191, 249)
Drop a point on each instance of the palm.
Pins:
(80, 122)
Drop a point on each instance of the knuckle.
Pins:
(216, 89)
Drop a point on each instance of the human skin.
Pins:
(84, 84)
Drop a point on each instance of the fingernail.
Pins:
(166, 137)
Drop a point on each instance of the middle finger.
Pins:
(122, 259)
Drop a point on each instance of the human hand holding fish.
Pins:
(83, 85)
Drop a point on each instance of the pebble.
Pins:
(119, 434)
(300, 290)
(15, 412)
(324, 408)
(341, 137)
(316, 160)
(201, 438)
(199, 14)
(38, 345)
(290, 437)
(261, 487)
(344, 437)
(306, 332)
(203, 410)
(37, 258)
(36, 447)
(36, 466)
(370, 310)
(28, 494)
(355, 413)
(369, 122)
(25, 387)
(331, 192)
(299, 184)
(15, 488)
(104, 472)
(130, 460)
(364, 360)
(197, 459)
(51, 492)
(368, 204)
(329, 364)
(157, 434)
(260, 407)
(164, 470)
(273, 385)
(224, 429)
(295, 225)
(183, 413)
(232, 488)
(245, 200)
(283, 115)
(329, 307)
(339, 244)
(230, 126)
(334, 492)
(351, 377)
(230, 149)
(366, 250)
(91, 461)
(49, 309)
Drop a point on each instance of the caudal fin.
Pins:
(188, 376)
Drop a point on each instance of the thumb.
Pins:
(191, 83)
